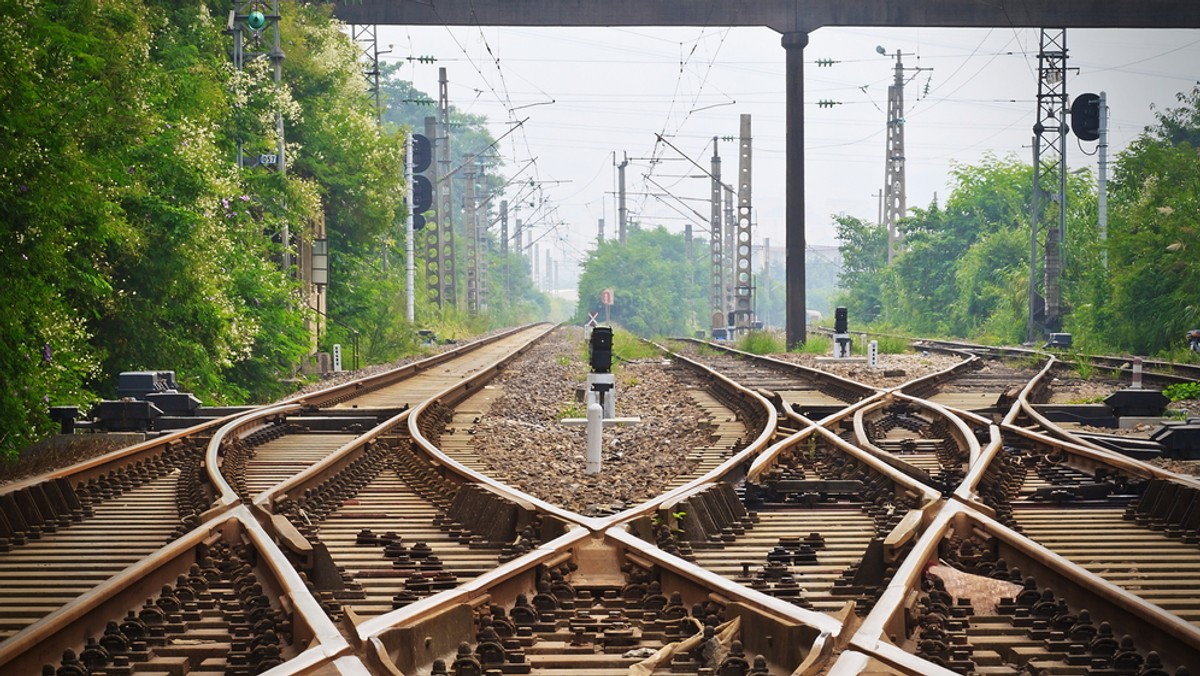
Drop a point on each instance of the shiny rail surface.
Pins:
(942, 526)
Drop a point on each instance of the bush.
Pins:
(1181, 391)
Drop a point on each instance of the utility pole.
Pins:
(716, 261)
(533, 257)
(503, 227)
(1050, 172)
(1102, 199)
(895, 196)
(433, 228)
(445, 232)
(599, 231)
(743, 284)
(622, 216)
(729, 226)
(472, 234)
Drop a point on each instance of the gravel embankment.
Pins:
(523, 429)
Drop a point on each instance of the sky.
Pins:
(586, 98)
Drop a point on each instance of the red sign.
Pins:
(606, 297)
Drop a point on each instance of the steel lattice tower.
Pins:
(1049, 180)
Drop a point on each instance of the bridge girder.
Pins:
(785, 16)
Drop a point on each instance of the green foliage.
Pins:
(761, 342)
(572, 409)
(630, 347)
(131, 240)
(1182, 391)
(889, 344)
(816, 344)
(1084, 367)
(653, 278)
(1146, 302)
(864, 257)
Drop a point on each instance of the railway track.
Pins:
(354, 531)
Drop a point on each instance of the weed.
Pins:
(892, 344)
(1181, 391)
(573, 409)
(761, 342)
(816, 344)
(1085, 368)
(629, 347)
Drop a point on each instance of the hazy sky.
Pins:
(593, 96)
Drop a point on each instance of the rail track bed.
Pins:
(807, 391)
(357, 530)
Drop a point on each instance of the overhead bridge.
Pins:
(785, 16)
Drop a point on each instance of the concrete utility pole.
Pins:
(730, 226)
(472, 236)
(1102, 199)
(716, 260)
(895, 200)
(743, 310)
(446, 276)
(433, 228)
(622, 216)
(599, 231)
(895, 192)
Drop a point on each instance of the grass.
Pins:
(893, 344)
(572, 409)
(1084, 368)
(816, 345)
(629, 347)
(761, 342)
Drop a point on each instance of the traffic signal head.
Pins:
(422, 194)
(256, 20)
(600, 352)
(1085, 117)
(841, 322)
(422, 153)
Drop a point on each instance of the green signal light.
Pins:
(256, 20)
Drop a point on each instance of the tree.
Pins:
(1152, 235)
(653, 282)
(864, 257)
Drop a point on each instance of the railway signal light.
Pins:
(1085, 117)
(600, 349)
(422, 187)
(256, 20)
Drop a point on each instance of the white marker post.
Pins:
(873, 354)
(1137, 373)
(337, 357)
(595, 422)
(595, 435)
